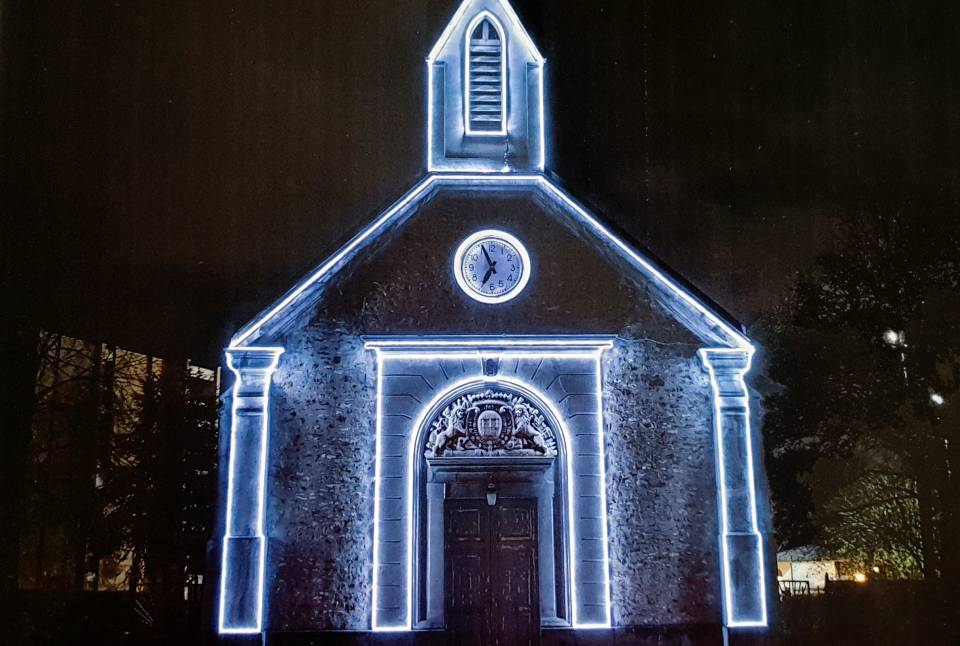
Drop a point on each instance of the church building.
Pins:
(488, 418)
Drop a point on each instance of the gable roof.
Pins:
(511, 15)
(703, 320)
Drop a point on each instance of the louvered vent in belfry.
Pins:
(486, 80)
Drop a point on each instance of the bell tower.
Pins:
(485, 111)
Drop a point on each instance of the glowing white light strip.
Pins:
(527, 267)
(261, 483)
(736, 338)
(731, 621)
(429, 116)
(511, 16)
(384, 354)
(541, 70)
(467, 355)
(601, 444)
(376, 507)
(587, 341)
(485, 15)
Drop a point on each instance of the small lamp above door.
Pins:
(491, 492)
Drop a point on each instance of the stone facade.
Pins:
(660, 476)
(661, 485)
(661, 482)
(328, 493)
(320, 483)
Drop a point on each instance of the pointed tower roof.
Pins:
(471, 7)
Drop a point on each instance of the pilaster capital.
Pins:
(727, 368)
(723, 361)
(247, 359)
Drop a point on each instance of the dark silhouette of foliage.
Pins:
(868, 340)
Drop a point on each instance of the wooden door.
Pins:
(490, 565)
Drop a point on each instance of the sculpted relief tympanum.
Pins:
(490, 423)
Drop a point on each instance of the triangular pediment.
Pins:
(658, 286)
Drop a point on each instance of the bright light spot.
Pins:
(891, 337)
(937, 399)
(876, 569)
(860, 577)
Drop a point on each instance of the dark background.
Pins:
(171, 167)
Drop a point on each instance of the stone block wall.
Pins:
(661, 491)
(320, 483)
(660, 477)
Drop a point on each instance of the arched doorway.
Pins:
(491, 530)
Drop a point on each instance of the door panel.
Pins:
(466, 570)
(491, 573)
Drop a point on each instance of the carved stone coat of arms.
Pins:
(490, 423)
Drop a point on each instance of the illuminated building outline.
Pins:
(726, 358)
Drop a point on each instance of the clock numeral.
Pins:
(510, 278)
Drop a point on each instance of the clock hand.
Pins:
(486, 276)
(491, 265)
(487, 256)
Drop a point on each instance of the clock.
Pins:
(492, 266)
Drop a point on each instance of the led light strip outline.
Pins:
(732, 621)
(601, 449)
(543, 125)
(491, 233)
(375, 584)
(485, 15)
(485, 176)
(735, 338)
(532, 342)
(457, 354)
(538, 58)
(261, 484)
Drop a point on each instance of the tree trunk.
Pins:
(926, 503)
(950, 525)
(87, 448)
(166, 564)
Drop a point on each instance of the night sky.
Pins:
(171, 167)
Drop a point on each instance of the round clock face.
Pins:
(492, 266)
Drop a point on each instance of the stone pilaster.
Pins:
(244, 545)
(741, 540)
